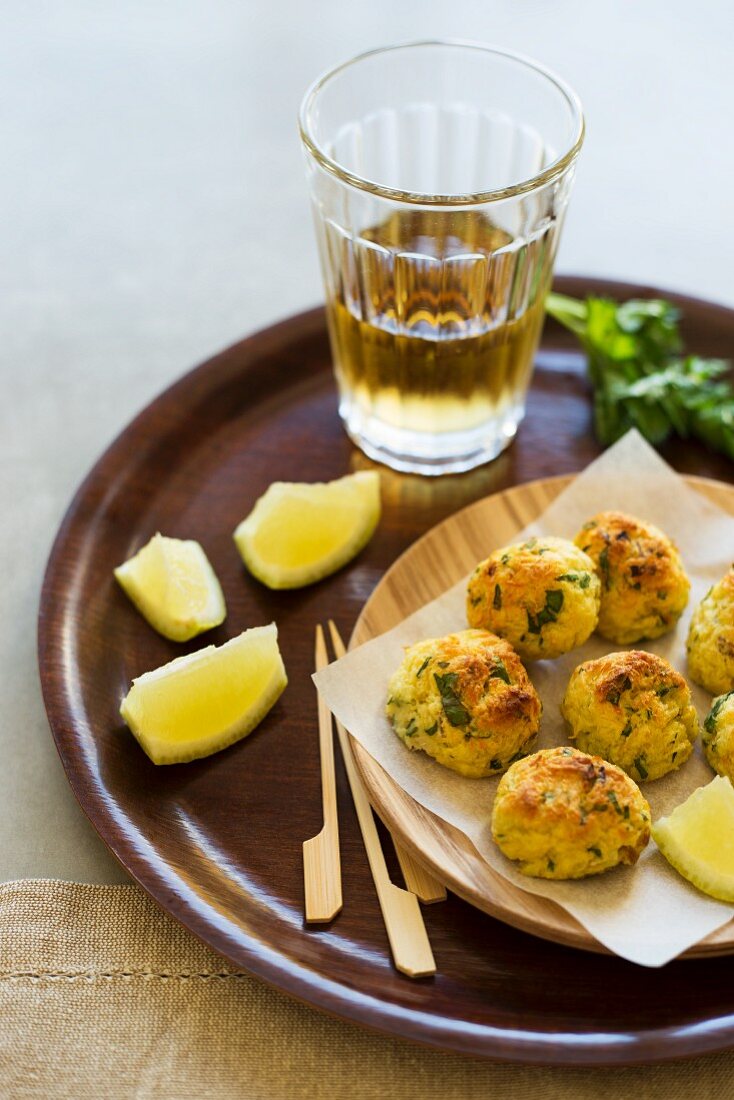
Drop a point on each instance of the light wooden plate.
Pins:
(431, 565)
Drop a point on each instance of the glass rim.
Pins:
(557, 168)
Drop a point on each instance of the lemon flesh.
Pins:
(697, 838)
(204, 701)
(298, 533)
(174, 587)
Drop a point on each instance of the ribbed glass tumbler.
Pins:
(439, 174)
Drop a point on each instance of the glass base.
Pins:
(429, 453)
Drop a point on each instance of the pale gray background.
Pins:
(154, 211)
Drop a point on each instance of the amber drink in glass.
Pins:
(439, 174)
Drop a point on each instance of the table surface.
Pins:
(154, 211)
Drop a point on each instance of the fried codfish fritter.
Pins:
(633, 709)
(718, 735)
(561, 814)
(644, 587)
(465, 700)
(542, 595)
(711, 638)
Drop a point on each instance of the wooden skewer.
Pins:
(322, 876)
(418, 880)
(406, 932)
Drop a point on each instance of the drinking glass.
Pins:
(439, 174)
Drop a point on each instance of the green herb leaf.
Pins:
(604, 565)
(710, 723)
(547, 614)
(453, 708)
(537, 622)
(554, 600)
(640, 379)
(615, 694)
(423, 666)
(640, 766)
(497, 601)
(615, 802)
(581, 579)
(499, 671)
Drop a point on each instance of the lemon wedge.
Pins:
(298, 533)
(697, 838)
(174, 587)
(204, 701)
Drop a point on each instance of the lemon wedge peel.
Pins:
(173, 586)
(202, 702)
(299, 533)
(697, 838)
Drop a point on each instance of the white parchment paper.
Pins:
(647, 913)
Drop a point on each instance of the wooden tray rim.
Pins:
(486, 1042)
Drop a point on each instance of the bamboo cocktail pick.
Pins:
(406, 932)
(322, 875)
(418, 880)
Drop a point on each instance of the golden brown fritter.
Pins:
(634, 709)
(644, 585)
(564, 814)
(711, 638)
(465, 700)
(718, 735)
(542, 595)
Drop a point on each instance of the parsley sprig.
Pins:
(640, 377)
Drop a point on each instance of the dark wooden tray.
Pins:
(218, 842)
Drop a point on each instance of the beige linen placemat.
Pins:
(104, 996)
